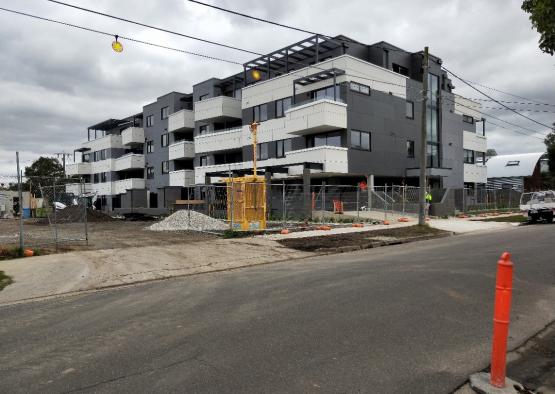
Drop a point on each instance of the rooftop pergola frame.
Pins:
(323, 75)
(288, 59)
(110, 124)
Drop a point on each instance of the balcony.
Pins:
(111, 141)
(182, 150)
(183, 178)
(218, 108)
(334, 159)
(475, 173)
(120, 187)
(219, 140)
(129, 162)
(78, 169)
(316, 117)
(78, 188)
(133, 136)
(181, 121)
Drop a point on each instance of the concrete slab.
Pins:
(480, 383)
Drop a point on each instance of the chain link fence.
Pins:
(47, 212)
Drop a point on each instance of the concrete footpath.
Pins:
(55, 274)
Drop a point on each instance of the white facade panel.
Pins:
(102, 166)
(183, 178)
(182, 150)
(222, 140)
(218, 107)
(106, 142)
(318, 116)
(78, 169)
(475, 173)
(475, 142)
(357, 70)
(120, 187)
(129, 161)
(181, 120)
(133, 136)
(78, 188)
(468, 107)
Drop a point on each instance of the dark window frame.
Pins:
(469, 156)
(282, 147)
(468, 119)
(164, 112)
(166, 137)
(411, 103)
(150, 146)
(150, 120)
(257, 113)
(410, 149)
(259, 155)
(150, 173)
(203, 161)
(359, 145)
(280, 107)
(165, 167)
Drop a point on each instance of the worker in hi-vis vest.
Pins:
(428, 202)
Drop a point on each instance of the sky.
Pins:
(55, 80)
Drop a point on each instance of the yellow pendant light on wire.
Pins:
(116, 45)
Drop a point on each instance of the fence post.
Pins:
(20, 194)
(358, 202)
(84, 201)
(189, 207)
(55, 213)
(232, 204)
(404, 197)
(385, 203)
(323, 201)
(284, 205)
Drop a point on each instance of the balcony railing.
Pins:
(183, 178)
(220, 107)
(78, 188)
(129, 162)
(219, 140)
(120, 187)
(78, 169)
(181, 121)
(182, 150)
(133, 136)
(316, 117)
(110, 141)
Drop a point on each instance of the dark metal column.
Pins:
(306, 192)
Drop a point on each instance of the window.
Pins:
(262, 151)
(410, 149)
(203, 129)
(149, 146)
(96, 155)
(283, 146)
(165, 140)
(326, 139)
(468, 119)
(481, 158)
(164, 113)
(150, 173)
(360, 140)
(86, 158)
(357, 87)
(328, 93)
(165, 167)
(282, 106)
(102, 177)
(203, 161)
(149, 120)
(260, 113)
(203, 97)
(400, 69)
(511, 163)
(103, 154)
(469, 157)
(238, 94)
(410, 110)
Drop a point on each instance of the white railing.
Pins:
(129, 161)
(181, 120)
(183, 178)
(78, 169)
(218, 107)
(106, 142)
(133, 135)
(182, 150)
(316, 116)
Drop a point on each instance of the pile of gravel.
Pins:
(181, 221)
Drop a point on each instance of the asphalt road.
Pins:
(413, 318)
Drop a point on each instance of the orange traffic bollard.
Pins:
(501, 316)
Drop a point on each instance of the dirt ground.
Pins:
(310, 244)
(102, 235)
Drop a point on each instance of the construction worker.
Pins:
(428, 202)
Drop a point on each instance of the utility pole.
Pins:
(423, 145)
(63, 154)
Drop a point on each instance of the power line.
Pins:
(508, 94)
(495, 117)
(520, 109)
(513, 102)
(155, 27)
(122, 37)
(498, 102)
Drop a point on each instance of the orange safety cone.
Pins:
(284, 231)
(28, 253)
(358, 225)
(386, 222)
(403, 220)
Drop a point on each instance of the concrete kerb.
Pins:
(480, 383)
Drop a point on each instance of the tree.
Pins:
(491, 153)
(550, 144)
(42, 172)
(542, 16)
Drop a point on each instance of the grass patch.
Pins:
(236, 234)
(5, 280)
(506, 219)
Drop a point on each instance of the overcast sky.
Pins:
(55, 81)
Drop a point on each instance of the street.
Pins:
(413, 318)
